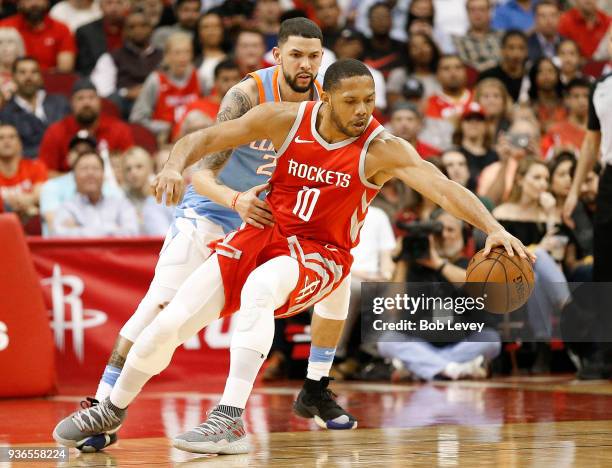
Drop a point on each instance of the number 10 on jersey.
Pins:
(305, 203)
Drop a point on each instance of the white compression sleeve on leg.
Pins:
(197, 303)
(244, 367)
(266, 289)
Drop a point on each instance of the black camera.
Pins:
(415, 241)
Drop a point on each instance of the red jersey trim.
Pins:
(294, 128)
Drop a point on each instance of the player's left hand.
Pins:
(506, 240)
(170, 182)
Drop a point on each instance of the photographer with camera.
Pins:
(522, 141)
(432, 252)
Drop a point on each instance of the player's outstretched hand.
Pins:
(170, 182)
(506, 240)
(252, 210)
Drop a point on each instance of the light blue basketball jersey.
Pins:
(249, 165)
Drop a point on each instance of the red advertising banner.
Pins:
(91, 287)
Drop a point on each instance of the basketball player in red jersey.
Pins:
(333, 157)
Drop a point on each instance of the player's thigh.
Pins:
(336, 305)
(272, 281)
(185, 249)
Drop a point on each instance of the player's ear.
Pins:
(276, 53)
(325, 97)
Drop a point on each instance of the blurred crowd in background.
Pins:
(495, 93)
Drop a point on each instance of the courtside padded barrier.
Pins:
(27, 355)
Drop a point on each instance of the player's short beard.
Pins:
(342, 127)
(292, 82)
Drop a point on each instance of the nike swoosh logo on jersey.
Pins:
(299, 140)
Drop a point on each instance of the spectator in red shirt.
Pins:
(167, 92)
(406, 122)
(586, 25)
(111, 133)
(20, 179)
(568, 134)
(226, 76)
(47, 40)
(444, 109)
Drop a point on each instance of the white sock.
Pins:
(103, 391)
(128, 386)
(244, 366)
(318, 370)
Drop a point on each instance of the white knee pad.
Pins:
(336, 305)
(255, 319)
(152, 303)
(155, 346)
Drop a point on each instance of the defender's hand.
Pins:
(169, 182)
(568, 209)
(252, 210)
(509, 242)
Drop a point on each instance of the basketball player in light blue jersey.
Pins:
(199, 220)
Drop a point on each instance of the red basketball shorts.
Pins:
(322, 266)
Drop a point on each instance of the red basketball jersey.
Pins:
(319, 189)
(173, 100)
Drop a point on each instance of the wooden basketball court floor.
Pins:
(543, 421)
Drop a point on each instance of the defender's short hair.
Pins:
(341, 69)
(301, 27)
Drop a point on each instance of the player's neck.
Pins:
(326, 128)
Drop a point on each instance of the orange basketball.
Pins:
(504, 282)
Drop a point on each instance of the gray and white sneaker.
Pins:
(74, 430)
(220, 433)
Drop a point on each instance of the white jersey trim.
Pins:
(319, 138)
(362, 158)
(294, 129)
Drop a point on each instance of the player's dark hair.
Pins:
(341, 69)
(227, 64)
(301, 27)
(513, 33)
